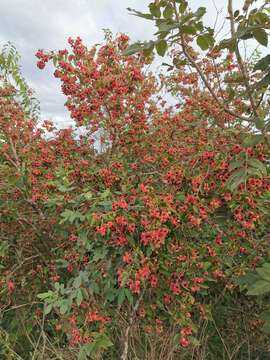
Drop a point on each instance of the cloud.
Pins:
(37, 24)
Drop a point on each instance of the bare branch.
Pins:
(204, 79)
(240, 61)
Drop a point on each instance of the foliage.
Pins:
(11, 74)
(181, 28)
(135, 247)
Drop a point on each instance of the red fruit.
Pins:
(11, 286)
(184, 342)
(41, 64)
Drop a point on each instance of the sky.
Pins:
(46, 24)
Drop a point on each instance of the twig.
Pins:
(221, 338)
(15, 307)
(36, 208)
(14, 153)
(203, 77)
(41, 335)
(130, 322)
(240, 60)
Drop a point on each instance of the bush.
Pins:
(132, 245)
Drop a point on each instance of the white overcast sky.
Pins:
(46, 24)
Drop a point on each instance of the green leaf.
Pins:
(229, 44)
(252, 140)
(236, 164)
(132, 49)
(266, 265)
(264, 273)
(165, 27)
(103, 342)
(176, 339)
(105, 194)
(140, 14)
(262, 64)
(68, 215)
(183, 6)
(121, 296)
(79, 297)
(254, 172)
(200, 12)
(99, 254)
(82, 353)
(261, 17)
(181, 196)
(187, 29)
(247, 279)
(129, 296)
(168, 12)
(163, 3)
(205, 41)
(266, 328)
(149, 251)
(259, 288)
(259, 123)
(154, 10)
(257, 164)
(88, 195)
(94, 287)
(194, 341)
(264, 82)
(237, 178)
(179, 63)
(110, 295)
(85, 294)
(64, 188)
(247, 35)
(64, 306)
(148, 48)
(265, 316)
(47, 308)
(77, 281)
(45, 295)
(106, 205)
(86, 350)
(261, 36)
(161, 47)
(160, 305)
(4, 246)
(199, 26)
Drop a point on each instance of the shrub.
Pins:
(141, 235)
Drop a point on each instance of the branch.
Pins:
(16, 161)
(240, 60)
(204, 79)
(36, 208)
(130, 322)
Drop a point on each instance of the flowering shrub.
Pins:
(138, 229)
